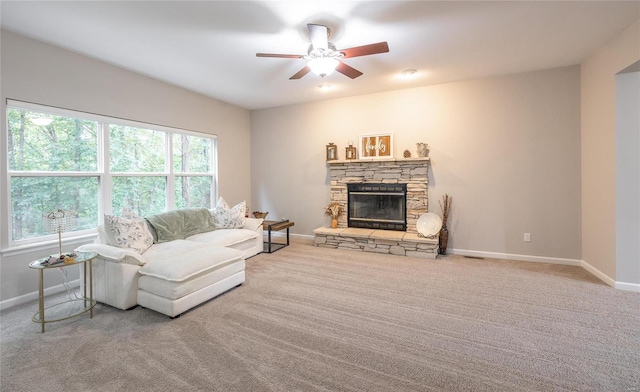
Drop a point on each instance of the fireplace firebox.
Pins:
(377, 206)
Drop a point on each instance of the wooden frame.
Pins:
(376, 146)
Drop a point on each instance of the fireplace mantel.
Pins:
(376, 160)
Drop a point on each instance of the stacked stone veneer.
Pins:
(377, 241)
(412, 172)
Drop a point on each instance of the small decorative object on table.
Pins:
(350, 152)
(332, 152)
(334, 210)
(66, 258)
(407, 154)
(260, 214)
(444, 232)
(422, 150)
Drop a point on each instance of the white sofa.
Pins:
(173, 276)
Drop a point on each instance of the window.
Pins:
(191, 163)
(93, 165)
(137, 165)
(53, 163)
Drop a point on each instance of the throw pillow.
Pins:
(128, 214)
(228, 218)
(128, 233)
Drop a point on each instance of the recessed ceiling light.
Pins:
(408, 73)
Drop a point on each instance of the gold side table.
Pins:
(71, 308)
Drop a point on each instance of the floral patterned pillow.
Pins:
(228, 218)
(128, 233)
(128, 214)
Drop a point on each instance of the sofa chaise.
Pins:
(185, 259)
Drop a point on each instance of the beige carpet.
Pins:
(313, 319)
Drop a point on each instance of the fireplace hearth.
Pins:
(377, 206)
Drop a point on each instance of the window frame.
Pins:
(103, 172)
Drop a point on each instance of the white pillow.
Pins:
(128, 214)
(128, 233)
(228, 218)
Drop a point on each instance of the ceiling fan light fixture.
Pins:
(323, 66)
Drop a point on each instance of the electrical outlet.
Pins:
(527, 237)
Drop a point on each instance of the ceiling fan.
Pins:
(323, 56)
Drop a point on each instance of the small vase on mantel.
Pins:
(443, 239)
(334, 223)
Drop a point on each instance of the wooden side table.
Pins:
(270, 226)
(66, 309)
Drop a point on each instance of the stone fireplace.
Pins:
(381, 177)
(410, 172)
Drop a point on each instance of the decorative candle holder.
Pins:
(332, 152)
(350, 151)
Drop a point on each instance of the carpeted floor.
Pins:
(313, 319)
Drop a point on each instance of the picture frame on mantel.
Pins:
(376, 146)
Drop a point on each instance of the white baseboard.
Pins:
(598, 274)
(628, 286)
(6, 304)
(551, 260)
(509, 256)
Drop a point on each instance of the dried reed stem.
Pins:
(446, 199)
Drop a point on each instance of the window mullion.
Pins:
(171, 183)
(214, 172)
(105, 203)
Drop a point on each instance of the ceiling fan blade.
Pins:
(319, 36)
(348, 70)
(282, 56)
(365, 50)
(300, 73)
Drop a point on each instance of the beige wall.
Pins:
(506, 148)
(37, 72)
(598, 147)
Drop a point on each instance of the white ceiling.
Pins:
(210, 46)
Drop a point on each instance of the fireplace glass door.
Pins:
(377, 206)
